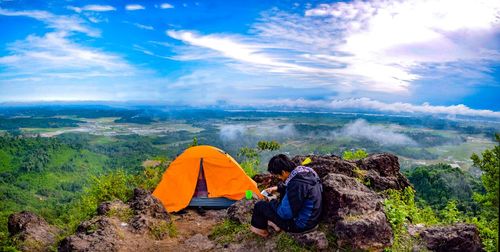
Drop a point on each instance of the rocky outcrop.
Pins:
(354, 213)
(458, 237)
(383, 172)
(32, 231)
(143, 214)
(379, 171)
(324, 165)
(149, 212)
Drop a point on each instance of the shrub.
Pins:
(353, 155)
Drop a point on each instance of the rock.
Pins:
(380, 171)
(366, 232)
(266, 180)
(241, 211)
(383, 172)
(452, 238)
(149, 212)
(98, 234)
(112, 208)
(324, 165)
(354, 214)
(315, 240)
(144, 203)
(344, 196)
(33, 232)
(199, 242)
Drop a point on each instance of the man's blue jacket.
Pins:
(301, 199)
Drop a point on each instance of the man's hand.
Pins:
(270, 190)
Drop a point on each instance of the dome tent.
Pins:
(203, 176)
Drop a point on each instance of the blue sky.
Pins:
(439, 56)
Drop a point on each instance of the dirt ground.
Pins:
(188, 224)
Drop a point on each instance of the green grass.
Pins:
(227, 231)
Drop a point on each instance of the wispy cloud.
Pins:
(54, 55)
(134, 7)
(231, 48)
(236, 132)
(141, 26)
(57, 22)
(367, 104)
(166, 6)
(383, 135)
(381, 46)
(92, 7)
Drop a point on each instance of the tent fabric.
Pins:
(223, 175)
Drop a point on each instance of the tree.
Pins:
(489, 163)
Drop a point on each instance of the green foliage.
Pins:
(163, 228)
(488, 218)
(249, 166)
(150, 176)
(194, 143)
(268, 145)
(354, 155)
(251, 156)
(440, 183)
(227, 231)
(115, 185)
(124, 214)
(400, 209)
(450, 213)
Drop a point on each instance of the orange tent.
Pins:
(222, 174)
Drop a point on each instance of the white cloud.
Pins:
(92, 7)
(54, 55)
(377, 45)
(166, 6)
(60, 23)
(230, 47)
(361, 129)
(265, 130)
(366, 104)
(133, 7)
(141, 26)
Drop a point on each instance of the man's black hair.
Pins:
(280, 163)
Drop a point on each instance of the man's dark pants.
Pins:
(265, 211)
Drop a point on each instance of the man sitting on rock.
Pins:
(300, 205)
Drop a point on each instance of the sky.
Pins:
(437, 57)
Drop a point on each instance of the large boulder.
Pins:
(354, 214)
(32, 231)
(458, 237)
(345, 196)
